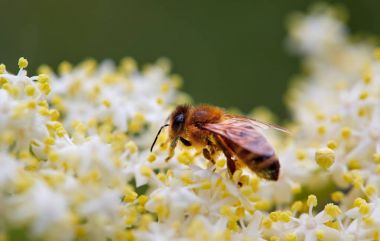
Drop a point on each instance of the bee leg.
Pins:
(231, 166)
(173, 144)
(207, 155)
(185, 142)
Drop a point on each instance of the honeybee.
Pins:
(211, 130)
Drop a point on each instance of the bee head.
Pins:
(178, 119)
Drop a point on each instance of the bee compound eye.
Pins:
(178, 122)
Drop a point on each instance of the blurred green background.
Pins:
(230, 53)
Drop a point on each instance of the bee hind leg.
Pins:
(231, 163)
(207, 154)
(232, 168)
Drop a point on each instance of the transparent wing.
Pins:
(255, 123)
(243, 133)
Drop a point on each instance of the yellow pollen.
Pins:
(3, 81)
(274, 238)
(146, 171)
(22, 63)
(165, 87)
(152, 157)
(312, 201)
(345, 132)
(290, 237)
(337, 196)
(32, 104)
(194, 208)
(30, 90)
(376, 157)
(142, 199)
(43, 78)
(185, 157)
(263, 205)
(176, 81)
(320, 234)
(23, 183)
(53, 156)
(64, 67)
(325, 157)
(364, 209)
(376, 53)
(357, 181)
(255, 183)
(44, 88)
(206, 185)
(244, 180)
(240, 211)
(376, 235)
(161, 177)
(274, 216)
(369, 221)
(335, 118)
(54, 114)
(2, 68)
(220, 163)
(132, 147)
(80, 231)
(353, 164)
(7, 137)
(285, 217)
(362, 111)
(296, 188)
(358, 202)
(226, 211)
(130, 196)
(186, 178)
(377, 170)
(367, 77)
(297, 206)
(44, 69)
(159, 101)
(43, 111)
(370, 189)
(321, 130)
(332, 144)
(320, 116)
(267, 223)
(128, 64)
(332, 210)
(301, 155)
(107, 103)
(363, 95)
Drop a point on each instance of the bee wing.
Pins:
(255, 123)
(244, 133)
(247, 143)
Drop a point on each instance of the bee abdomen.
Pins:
(265, 165)
(269, 169)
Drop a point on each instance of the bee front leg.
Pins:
(173, 144)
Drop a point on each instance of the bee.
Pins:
(211, 130)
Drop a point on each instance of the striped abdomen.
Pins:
(264, 163)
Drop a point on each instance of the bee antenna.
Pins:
(155, 139)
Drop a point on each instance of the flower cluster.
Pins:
(75, 160)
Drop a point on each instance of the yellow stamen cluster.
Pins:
(312, 201)
(22, 63)
(325, 157)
